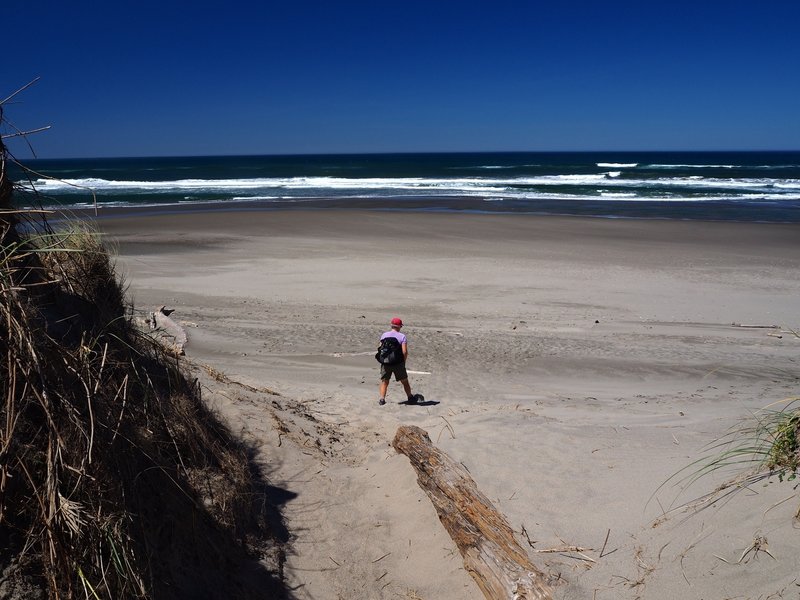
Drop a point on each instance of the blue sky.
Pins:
(195, 78)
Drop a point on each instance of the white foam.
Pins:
(193, 185)
(559, 180)
(249, 198)
(788, 184)
(604, 165)
(748, 183)
(493, 167)
(667, 166)
(694, 188)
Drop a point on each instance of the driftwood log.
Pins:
(161, 320)
(486, 541)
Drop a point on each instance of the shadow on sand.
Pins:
(423, 403)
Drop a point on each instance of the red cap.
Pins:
(397, 322)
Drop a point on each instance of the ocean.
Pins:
(739, 186)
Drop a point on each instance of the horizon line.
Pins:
(411, 152)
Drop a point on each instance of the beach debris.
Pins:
(449, 428)
(759, 545)
(605, 543)
(746, 326)
(528, 537)
(161, 321)
(491, 553)
(567, 549)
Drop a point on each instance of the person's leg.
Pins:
(383, 387)
(407, 388)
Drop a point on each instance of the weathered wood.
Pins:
(160, 320)
(486, 541)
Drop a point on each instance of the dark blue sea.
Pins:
(740, 186)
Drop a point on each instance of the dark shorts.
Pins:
(398, 370)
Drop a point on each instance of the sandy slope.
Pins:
(572, 365)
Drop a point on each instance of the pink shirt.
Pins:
(400, 337)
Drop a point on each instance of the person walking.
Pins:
(392, 354)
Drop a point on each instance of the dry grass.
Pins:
(115, 479)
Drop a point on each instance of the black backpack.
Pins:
(390, 352)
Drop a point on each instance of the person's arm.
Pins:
(405, 351)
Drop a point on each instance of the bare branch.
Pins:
(22, 89)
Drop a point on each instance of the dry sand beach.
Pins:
(571, 365)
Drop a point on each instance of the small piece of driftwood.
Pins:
(160, 320)
(492, 555)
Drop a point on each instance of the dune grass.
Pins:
(761, 447)
(116, 481)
